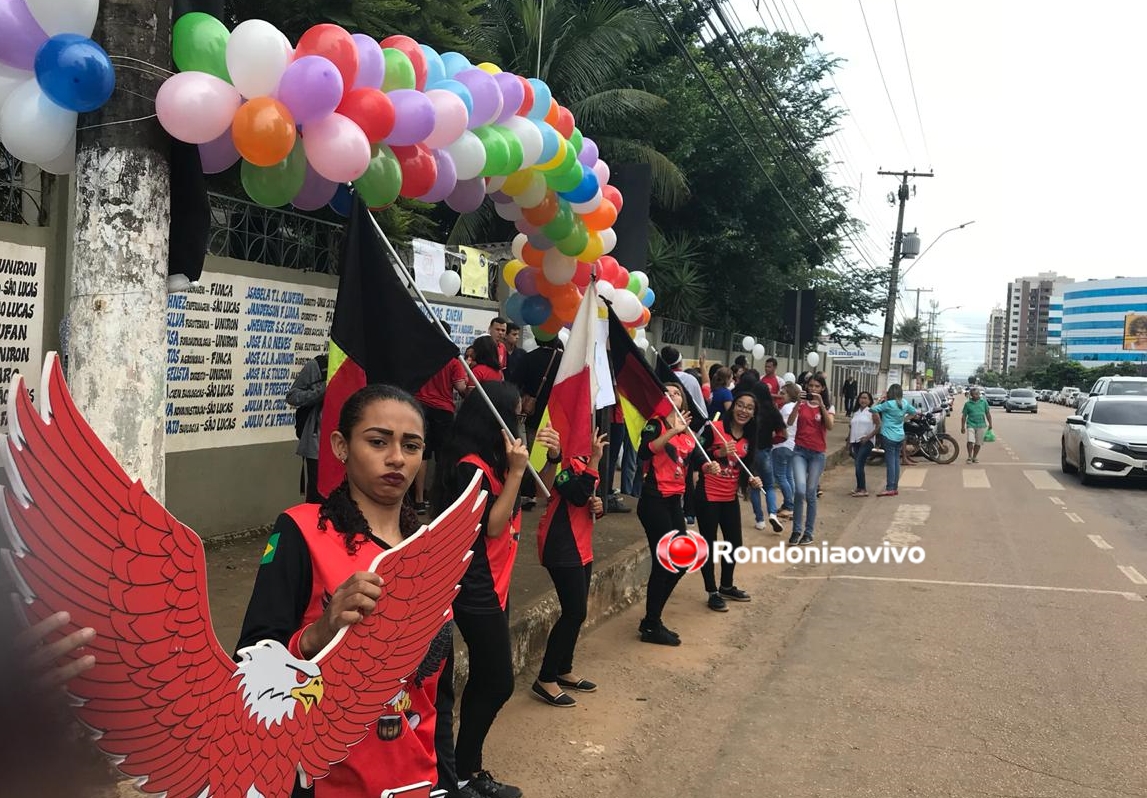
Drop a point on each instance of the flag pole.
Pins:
(713, 425)
(692, 434)
(399, 266)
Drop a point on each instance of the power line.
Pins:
(911, 80)
(880, 69)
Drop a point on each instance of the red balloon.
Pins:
(613, 195)
(528, 103)
(620, 278)
(371, 110)
(582, 274)
(607, 268)
(419, 170)
(334, 44)
(565, 124)
(408, 47)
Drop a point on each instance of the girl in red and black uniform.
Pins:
(315, 579)
(478, 444)
(731, 436)
(565, 547)
(666, 450)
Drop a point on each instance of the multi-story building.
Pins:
(996, 340)
(1029, 304)
(1055, 323)
(1103, 319)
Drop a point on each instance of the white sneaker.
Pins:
(777, 526)
(759, 525)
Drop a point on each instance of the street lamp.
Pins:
(937, 238)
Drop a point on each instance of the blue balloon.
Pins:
(435, 69)
(550, 140)
(455, 63)
(343, 200)
(648, 297)
(542, 98)
(586, 189)
(456, 87)
(536, 309)
(514, 308)
(75, 72)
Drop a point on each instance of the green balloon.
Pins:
(497, 151)
(634, 285)
(542, 335)
(399, 70)
(514, 146)
(562, 224)
(576, 140)
(566, 180)
(199, 44)
(275, 186)
(380, 184)
(575, 242)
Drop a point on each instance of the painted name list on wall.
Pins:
(234, 346)
(21, 319)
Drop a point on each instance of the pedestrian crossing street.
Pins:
(972, 477)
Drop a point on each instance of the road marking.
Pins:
(1130, 572)
(907, 516)
(1125, 594)
(976, 478)
(1057, 500)
(1042, 480)
(913, 478)
(1100, 543)
(1075, 519)
(1025, 465)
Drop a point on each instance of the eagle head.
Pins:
(274, 682)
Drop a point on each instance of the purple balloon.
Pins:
(589, 153)
(22, 35)
(513, 95)
(540, 241)
(413, 117)
(371, 63)
(501, 197)
(316, 192)
(526, 229)
(486, 93)
(311, 88)
(218, 155)
(447, 178)
(526, 281)
(467, 195)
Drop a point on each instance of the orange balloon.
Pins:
(532, 255)
(602, 217)
(566, 303)
(552, 114)
(263, 131)
(544, 212)
(565, 124)
(546, 288)
(646, 315)
(551, 325)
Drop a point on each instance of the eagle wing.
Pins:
(367, 664)
(86, 538)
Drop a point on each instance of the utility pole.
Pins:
(890, 311)
(916, 339)
(117, 309)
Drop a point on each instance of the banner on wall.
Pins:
(466, 324)
(429, 264)
(234, 346)
(475, 273)
(21, 319)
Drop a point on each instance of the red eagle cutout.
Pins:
(164, 699)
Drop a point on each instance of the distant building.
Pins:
(1105, 321)
(1028, 308)
(996, 340)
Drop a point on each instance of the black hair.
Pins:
(751, 374)
(339, 508)
(498, 320)
(670, 357)
(741, 361)
(511, 327)
(476, 432)
(769, 360)
(486, 352)
(749, 432)
(865, 393)
(713, 371)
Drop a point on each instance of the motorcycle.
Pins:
(920, 435)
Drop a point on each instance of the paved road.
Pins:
(1009, 663)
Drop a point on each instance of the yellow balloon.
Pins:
(486, 66)
(518, 182)
(594, 249)
(510, 271)
(557, 160)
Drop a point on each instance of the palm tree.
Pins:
(675, 272)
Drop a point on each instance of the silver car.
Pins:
(1107, 438)
(1021, 400)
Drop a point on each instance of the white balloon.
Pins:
(559, 269)
(788, 377)
(530, 137)
(450, 283)
(532, 197)
(606, 291)
(10, 80)
(642, 342)
(564, 335)
(626, 306)
(519, 242)
(495, 183)
(508, 211)
(65, 16)
(813, 359)
(589, 205)
(257, 56)
(748, 342)
(468, 154)
(608, 240)
(65, 163)
(758, 351)
(32, 127)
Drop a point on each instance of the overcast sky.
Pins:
(1030, 115)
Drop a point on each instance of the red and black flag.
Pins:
(379, 334)
(641, 394)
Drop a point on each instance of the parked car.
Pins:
(995, 396)
(1021, 400)
(1107, 438)
(1119, 386)
(1067, 395)
(925, 402)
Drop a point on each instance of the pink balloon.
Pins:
(337, 148)
(316, 192)
(21, 37)
(450, 118)
(467, 195)
(601, 169)
(371, 63)
(218, 155)
(196, 107)
(446, 181)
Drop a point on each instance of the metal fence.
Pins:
(246, 231)
(19, 204)
(678, 333)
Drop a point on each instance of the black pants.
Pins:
(728, 516)
(311, 481)
(608, 468)
(488, 687)
(659, 515)
(572, 586)
(690, 498)
(444, 726)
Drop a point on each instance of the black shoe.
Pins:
(559, 700)
(734, 593)
(717, 604)
(806, 540)
(464, 792)
(614, 505)
(581, 685)
(669, 631)
(794, 539)
(658, 635)
(484, 784)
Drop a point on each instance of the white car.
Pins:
(1107, 438)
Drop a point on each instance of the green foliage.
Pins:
(675, 271)
(1053, 374)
